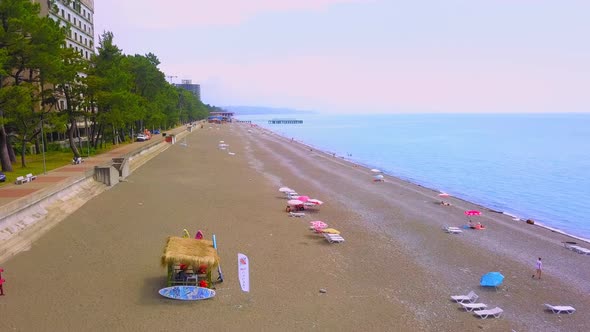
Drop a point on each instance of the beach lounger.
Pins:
(558, 309)
(471, 297)
(297, 214)
(333, 238)
(21, 180)
(483, 314)
(452, 229)
(30, 177)
(580, 250)
(474, 306)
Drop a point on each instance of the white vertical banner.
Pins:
(244, 272)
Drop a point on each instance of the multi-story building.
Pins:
(79, 14)
(188, 85)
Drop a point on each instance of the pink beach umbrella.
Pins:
(444, 195)
(303, 198)
(318, 224)
(472, 213)
(315, 201)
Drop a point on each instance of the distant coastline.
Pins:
(262, 110)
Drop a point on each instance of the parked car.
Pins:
(2, 177)
(141, 138)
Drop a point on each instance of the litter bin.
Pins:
(163, 134)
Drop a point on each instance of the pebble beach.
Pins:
(99, 268)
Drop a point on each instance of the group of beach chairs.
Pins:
(330, 234)
(468, 302)
(24, 179)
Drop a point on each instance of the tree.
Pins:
(26, 40)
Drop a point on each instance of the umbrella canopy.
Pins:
(491, 279)
(444, 195)
(286, 190)
(315, 201)
(472, 213)
(374, 170)
(318, 224)
(303, 198)
(378, 176)
(294, 202)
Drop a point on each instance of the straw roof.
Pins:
(190, 252)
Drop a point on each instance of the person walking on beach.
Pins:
(539, 268)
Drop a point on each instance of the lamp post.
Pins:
(43, 146)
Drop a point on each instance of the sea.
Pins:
(529, 166)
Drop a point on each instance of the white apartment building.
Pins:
(80, 16)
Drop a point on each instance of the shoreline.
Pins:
(368, 167)
(395, 271)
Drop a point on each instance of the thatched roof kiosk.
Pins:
(188, 251)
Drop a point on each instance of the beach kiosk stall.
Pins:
(189, 261)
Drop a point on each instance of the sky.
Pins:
(366, 56)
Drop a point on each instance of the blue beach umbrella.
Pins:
(491, 279)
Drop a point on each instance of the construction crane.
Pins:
(169, 78)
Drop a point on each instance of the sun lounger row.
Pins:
(24, 179)
(478, 309)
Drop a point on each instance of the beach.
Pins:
(99, 268)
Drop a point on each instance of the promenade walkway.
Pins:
(71, 173)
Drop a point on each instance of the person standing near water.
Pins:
(539, 268)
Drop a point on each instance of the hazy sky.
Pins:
(367, 55)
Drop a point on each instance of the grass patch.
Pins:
(53, 160)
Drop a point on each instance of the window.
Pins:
(75, 36)
(62, 104)
(74, 21)
(87, 55)
(69, 18)
(62, 13)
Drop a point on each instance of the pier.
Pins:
(285, 121)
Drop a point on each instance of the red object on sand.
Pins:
(203, 283)
(1, 282)
(472, 213)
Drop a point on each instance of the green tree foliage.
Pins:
(29, 43)
(42, 81)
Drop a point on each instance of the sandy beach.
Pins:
(99, 270)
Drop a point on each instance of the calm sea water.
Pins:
(532, 166)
